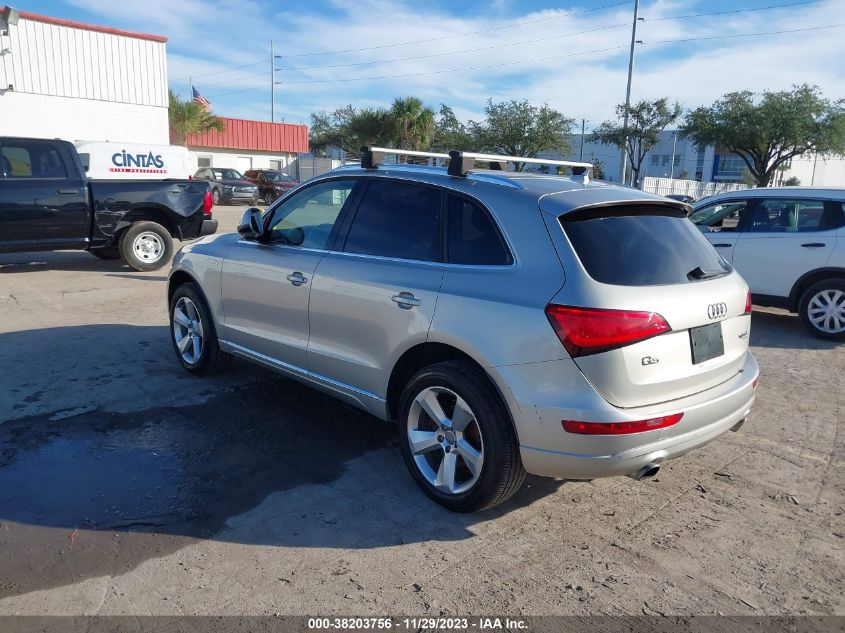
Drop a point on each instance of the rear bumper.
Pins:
(547, 450)
(208, 227)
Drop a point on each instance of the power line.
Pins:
(447, 37)
(466, 50)
(435, 39)
(702, 15)
(540, 59)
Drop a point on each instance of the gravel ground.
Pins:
(129, 487)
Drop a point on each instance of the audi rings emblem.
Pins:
(717, 310)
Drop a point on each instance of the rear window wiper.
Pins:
(700, 274)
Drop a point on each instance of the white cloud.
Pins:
(210, 36)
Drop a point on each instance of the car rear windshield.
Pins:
(639, 246)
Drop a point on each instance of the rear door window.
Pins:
(397, 219)
(724, 216)
(639, 246)
(472, 237)
(787, 216)
(32, 159)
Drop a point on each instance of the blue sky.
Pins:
(572, 55)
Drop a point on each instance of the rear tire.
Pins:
(146, 246)
(822, 309)
(268, 199)
(475, 433)
(191, 319)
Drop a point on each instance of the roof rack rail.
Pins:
(372, 157)
(462, 162)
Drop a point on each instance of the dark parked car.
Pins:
(47, 203)
(228, 185)
(272, 183)
(680, 197)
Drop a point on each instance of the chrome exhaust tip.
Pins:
(646, 472)
(736, 427)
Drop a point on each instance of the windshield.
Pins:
(277, 176)
(718, 214)
(228, 174)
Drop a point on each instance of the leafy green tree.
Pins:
(792, 181)
(413, 123)
(767, 130)
(451, 133)
(646, 120)
(350, 129)
(598, 169)
(518, 128)
(188, 117)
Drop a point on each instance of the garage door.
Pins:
(244, 163)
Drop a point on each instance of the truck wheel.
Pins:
(215, 196)
(146, 246)
(192, 332)
(457, 439)
(822, 309)
(110, 252)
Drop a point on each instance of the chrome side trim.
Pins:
(299, 371)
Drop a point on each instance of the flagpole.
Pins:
(272, 84)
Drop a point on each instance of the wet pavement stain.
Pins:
(98, 493)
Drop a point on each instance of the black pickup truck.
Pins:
(48, 203)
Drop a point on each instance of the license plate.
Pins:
(706, 342)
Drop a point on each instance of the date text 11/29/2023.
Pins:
(416, 623)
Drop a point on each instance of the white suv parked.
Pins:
(789, 245)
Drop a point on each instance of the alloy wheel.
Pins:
(187, 330)
(445, 440)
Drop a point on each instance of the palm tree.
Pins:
(189, 117)
(414, 123)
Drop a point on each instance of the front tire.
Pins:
(822, 309)
(146, 246)
(457, 439)
(193, 334)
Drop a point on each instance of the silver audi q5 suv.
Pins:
(508, 322)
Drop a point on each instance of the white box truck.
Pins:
(109, 160)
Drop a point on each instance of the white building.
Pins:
(63, 79)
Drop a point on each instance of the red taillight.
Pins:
(755, 382)
(748, 303)
(586, 331)
(620, 428)
(207, 204)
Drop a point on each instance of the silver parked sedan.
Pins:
(508, 322)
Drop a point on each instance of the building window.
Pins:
(655, 160)
(677, 160)
(276, 164)
(666, 159)
(203, 161)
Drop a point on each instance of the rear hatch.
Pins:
(666, 315)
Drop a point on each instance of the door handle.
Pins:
(722, 245)
(405, 300)
(297, 279)
(814, 245)
(70, 191)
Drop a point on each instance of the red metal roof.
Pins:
(26, 15)
(255, 135)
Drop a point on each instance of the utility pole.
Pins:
(674, 141)
(272, 84)
(581, 152)
(628, 91)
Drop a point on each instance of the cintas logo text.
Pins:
(123, 159)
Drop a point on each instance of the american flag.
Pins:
(198, 98)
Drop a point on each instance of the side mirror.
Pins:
(251, 225)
